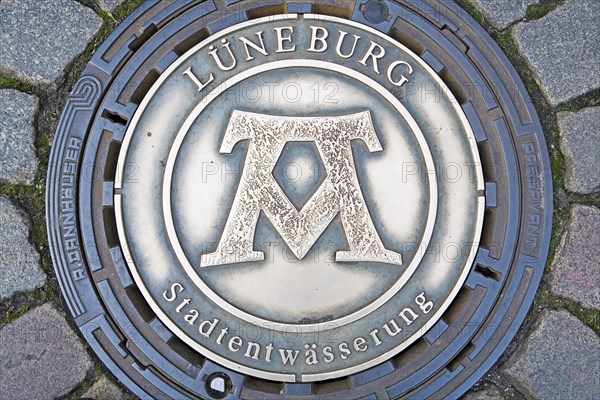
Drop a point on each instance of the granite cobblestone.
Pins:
(41, 38)
(580, 145)
(568, 68)
(560, 360)
(502, 13)
(40, 357)
(18, 161)
(19, 261)
(576, 269)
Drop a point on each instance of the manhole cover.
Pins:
(312, 199)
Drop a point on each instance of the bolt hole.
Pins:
(218, 385)
(376, 11)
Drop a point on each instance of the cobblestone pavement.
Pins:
(555, 46)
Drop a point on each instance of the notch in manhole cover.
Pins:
(399, 268)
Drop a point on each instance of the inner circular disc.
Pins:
(296, 207)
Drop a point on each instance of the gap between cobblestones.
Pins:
(32, 198)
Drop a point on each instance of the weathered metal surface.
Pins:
(100, 196)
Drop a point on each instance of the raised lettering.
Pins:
(269, 349)
(373, 334)
(259, 191)
(394, 325)
(173, 295)
(188, 72)
(408, 320)
(288, 356)
(260, 48)
(423, 304)
(191, 316)
(235, 343)
(343, 348)
(311, 354)
(328, 354)
(340, 44)
(184, 303)
(206, 327)
(222, 335)
(402, 79)
(213, 52)
(281, 39)
(314, 38)
(374, 56)
(360, 344)
(252, 346)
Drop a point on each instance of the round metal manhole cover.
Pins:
(314, 199)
